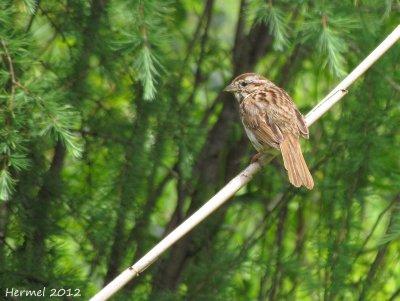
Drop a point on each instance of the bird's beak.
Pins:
(230, 88)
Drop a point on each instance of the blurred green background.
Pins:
(114, 129)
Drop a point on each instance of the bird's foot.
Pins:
(256, 157)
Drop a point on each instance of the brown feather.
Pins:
(301, 123)
(294, 162)
(254, 118)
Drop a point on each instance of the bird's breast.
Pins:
(253, 139)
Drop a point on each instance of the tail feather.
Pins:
(294, 162)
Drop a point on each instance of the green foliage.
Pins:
(274, 17)
(393, 232)
(57, 121)
(6, 184)
(30, 5)
(144, 41)
(113, 129)
(329, 32)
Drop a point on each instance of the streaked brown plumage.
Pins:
(271, 119)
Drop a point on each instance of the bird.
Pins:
(272, 120)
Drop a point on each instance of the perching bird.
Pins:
(271, 119)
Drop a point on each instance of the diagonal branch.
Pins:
(8, 61)
(243, 177)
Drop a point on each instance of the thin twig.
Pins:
(12, 74)
(56, 28)
(195, 37)
(392, 83)
(198, 78)
(395, 295)
(379, 258)
(379, 218)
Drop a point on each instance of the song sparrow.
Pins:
(271, 119)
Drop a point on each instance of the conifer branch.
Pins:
(56, 27)
(8, 61)
(243, 177)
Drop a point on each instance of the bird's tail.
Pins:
(294, 162)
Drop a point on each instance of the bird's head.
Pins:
(246, 84)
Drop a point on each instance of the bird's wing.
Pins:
(283, 113)
(254, 117)
(301, 124)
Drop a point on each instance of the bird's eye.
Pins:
(243, 84)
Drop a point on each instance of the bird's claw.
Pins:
(256, 157)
